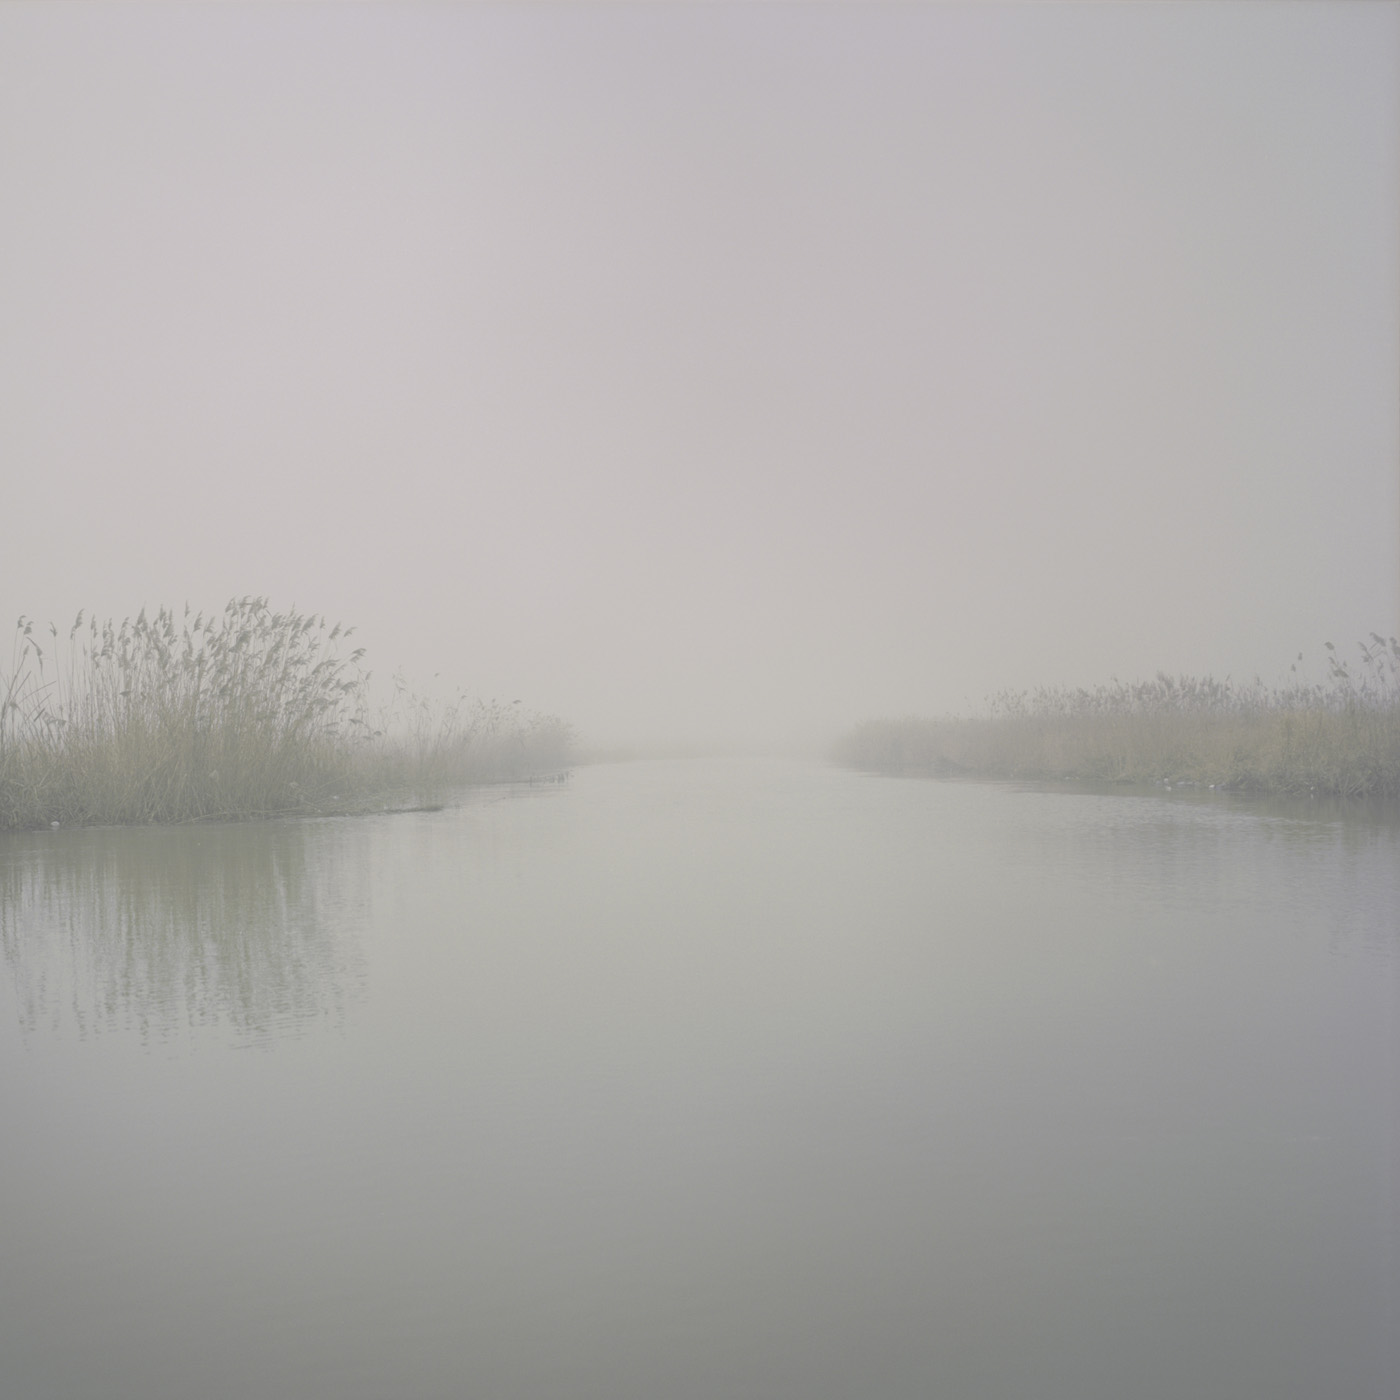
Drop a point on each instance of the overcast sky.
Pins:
(711, 372)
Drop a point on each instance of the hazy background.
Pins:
(711, 373)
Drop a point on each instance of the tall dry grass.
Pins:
(1341, 736)
(247, 713)
(426, 746)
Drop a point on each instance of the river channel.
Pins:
(692, 1080)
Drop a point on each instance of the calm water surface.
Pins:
(707, 1079)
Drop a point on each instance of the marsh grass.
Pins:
(1341, 736)
(423, 748)
(242, 714)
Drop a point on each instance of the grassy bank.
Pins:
(241, 714)
(1341, 736)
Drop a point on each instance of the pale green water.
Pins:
(707, 1079)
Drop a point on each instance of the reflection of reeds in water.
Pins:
(246, 926)
(1340, 737)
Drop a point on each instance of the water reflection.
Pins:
(1197, 853)
(701, 1079)
(163, 930)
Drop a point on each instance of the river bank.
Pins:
(1340, 737)
(243, 714)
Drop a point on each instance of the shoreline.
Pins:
(242, 715)
(1339, 739)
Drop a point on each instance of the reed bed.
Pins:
(242, 714)
(424, 747)
(1339, 737)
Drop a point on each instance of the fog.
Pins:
(715, 373)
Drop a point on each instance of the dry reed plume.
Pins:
(1340, 737)
(241, 714)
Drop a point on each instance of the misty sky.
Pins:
(711, 372)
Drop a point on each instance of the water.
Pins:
(707, 1079)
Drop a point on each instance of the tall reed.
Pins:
(427, 746)
(1341, 736)
(246, 713)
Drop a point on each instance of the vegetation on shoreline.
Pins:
(1340, 737)
(242, 714)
